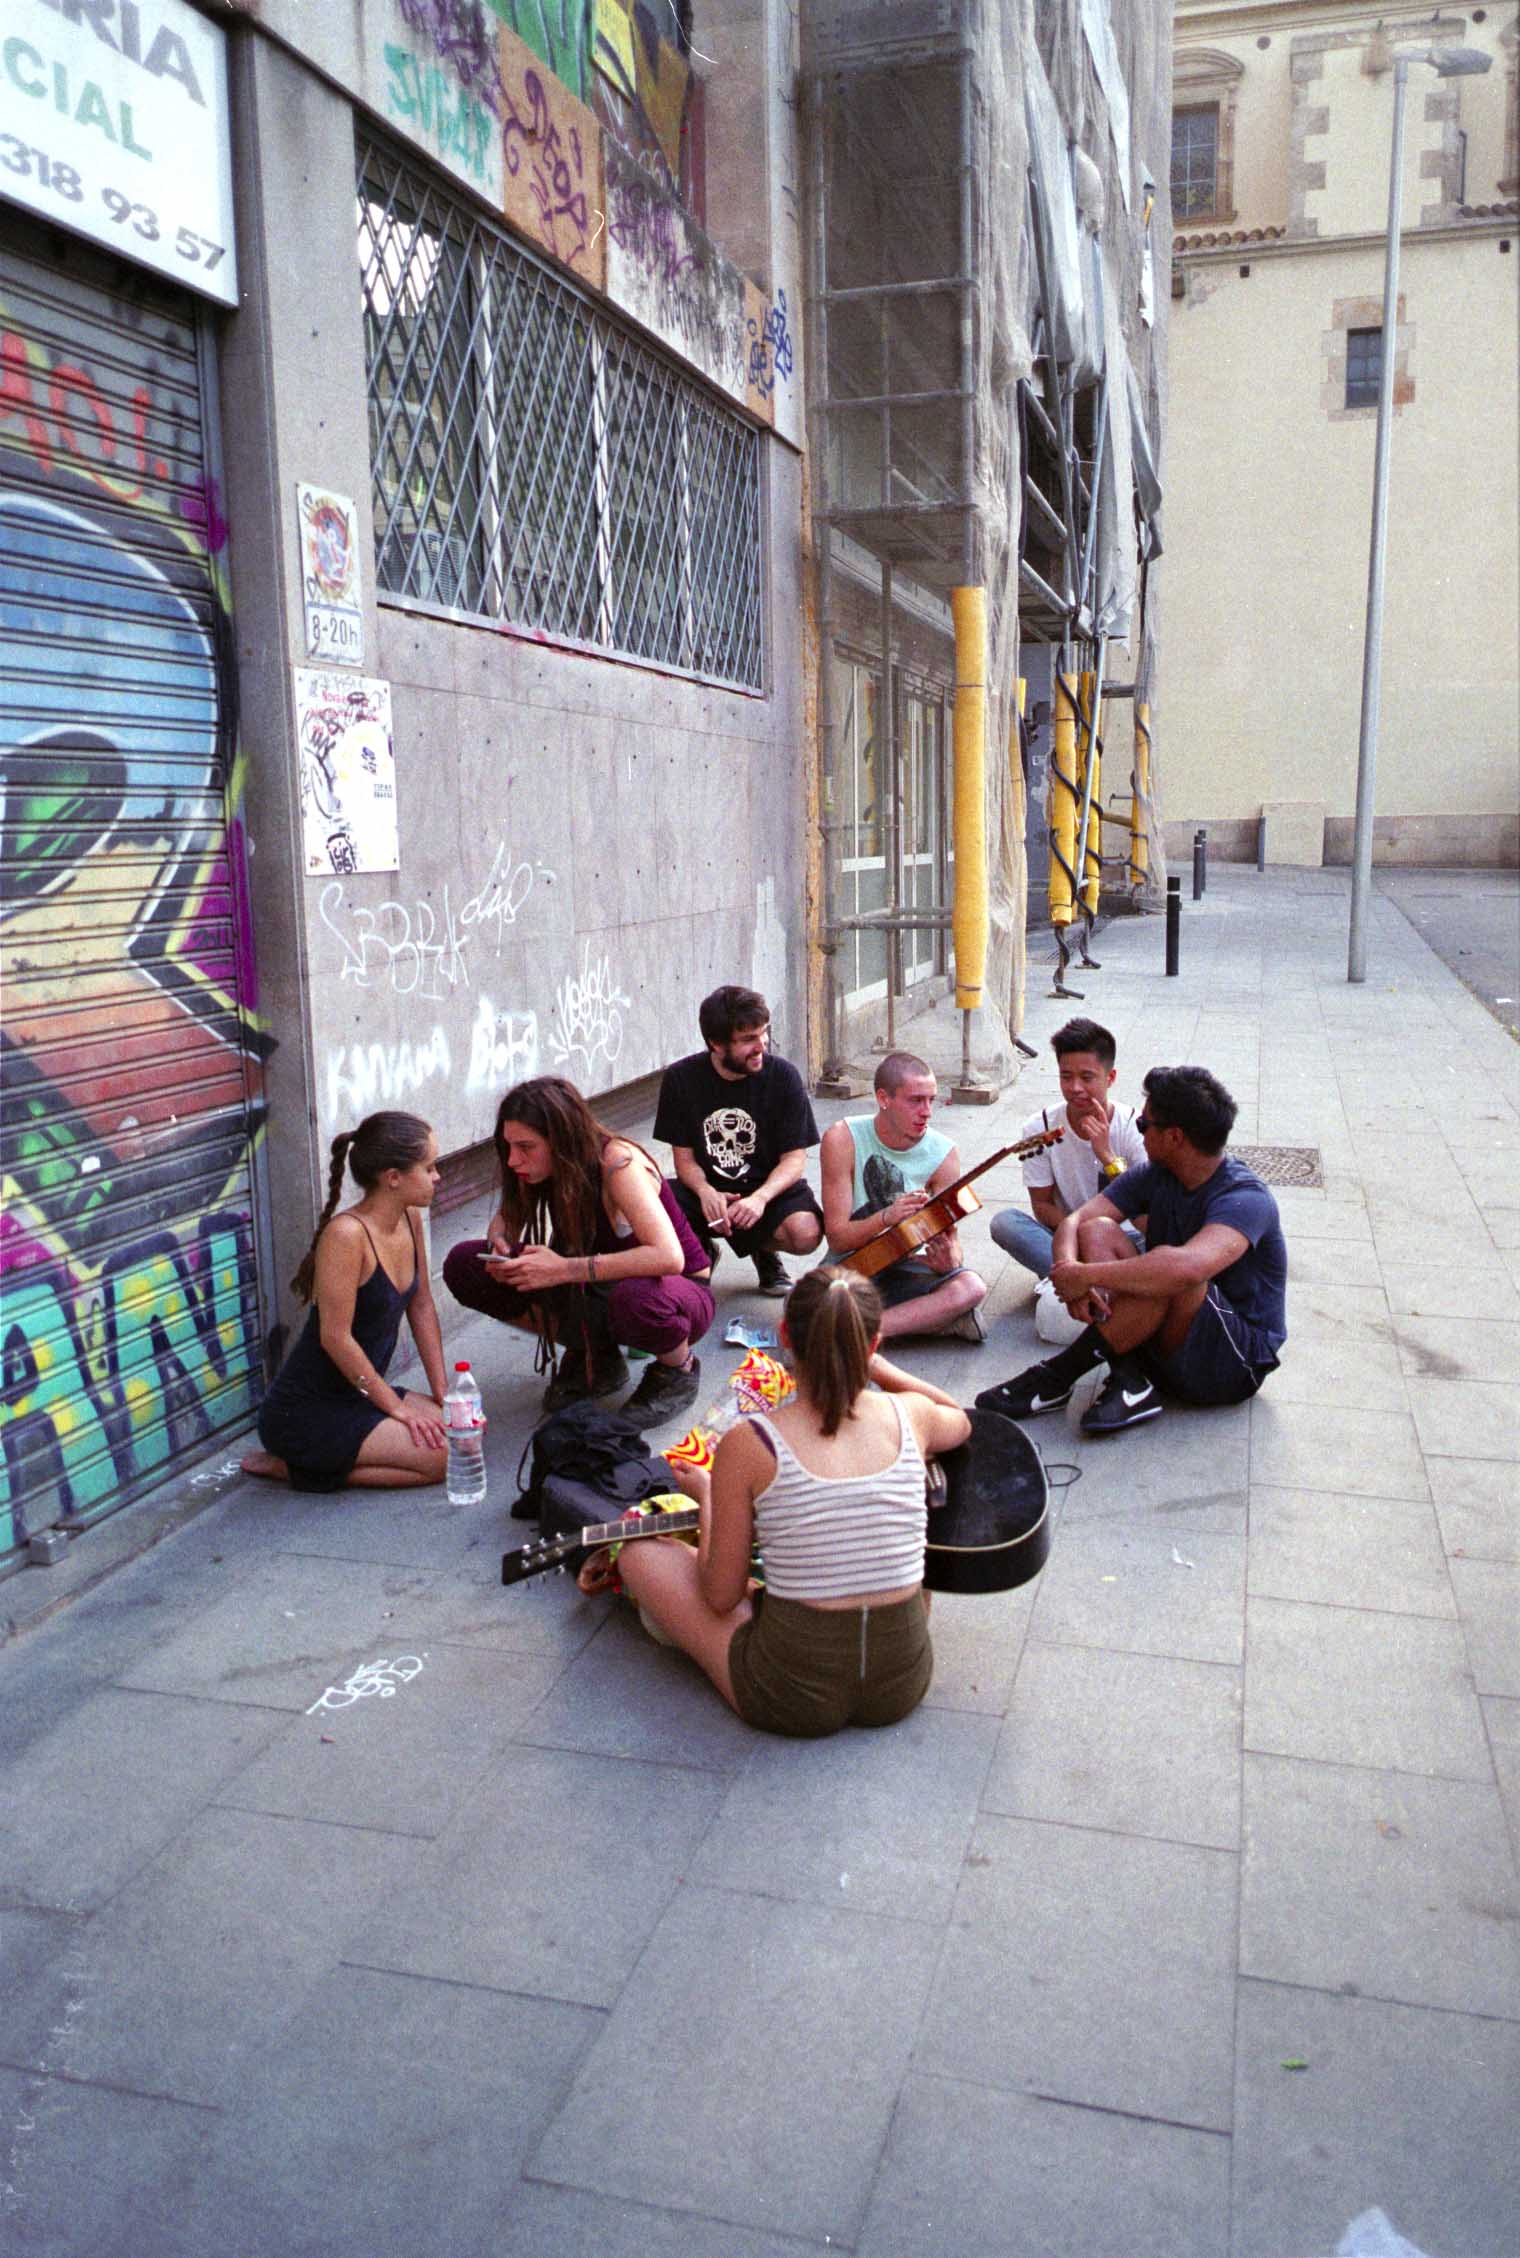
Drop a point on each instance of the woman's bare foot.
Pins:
(266, 1465)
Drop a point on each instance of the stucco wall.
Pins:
(1268, 514)
(586, 844)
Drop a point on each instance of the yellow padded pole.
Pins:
(1139, 841)
(1064, 802)
(1092, 874)
(968, 610)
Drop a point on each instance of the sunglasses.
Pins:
(1143, 1122)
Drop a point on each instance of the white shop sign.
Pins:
(113, 123)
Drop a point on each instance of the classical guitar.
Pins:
(939, 1214)
(554, 1552)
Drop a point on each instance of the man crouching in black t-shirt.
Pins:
(739, 1123)
(1202, 1310)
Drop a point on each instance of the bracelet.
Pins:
(363, 1390)
(1111, 1169)
(591, 1269)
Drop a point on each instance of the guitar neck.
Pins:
(639, 1525)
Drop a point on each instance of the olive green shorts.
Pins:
(810, 1670)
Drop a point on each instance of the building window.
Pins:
(1195, 162)
(1364, 367)
(533, 461)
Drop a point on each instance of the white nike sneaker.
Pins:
(1122, 1401)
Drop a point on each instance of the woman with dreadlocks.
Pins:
(332, 1419)
(589, 1250)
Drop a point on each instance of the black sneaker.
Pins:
(1027, 1394)
(1125, 1398)
(609, 1372)
(774, 1279)
(664, 1393)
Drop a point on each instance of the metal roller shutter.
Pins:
(129, 1330)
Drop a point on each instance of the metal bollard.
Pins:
(1200, 863)
(1173, 926)
(1261, 842)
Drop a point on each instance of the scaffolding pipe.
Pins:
(1140, 793)
(1063, 801)
(1079, 861)
(891, 769)
(1092, 860)
(828, 722)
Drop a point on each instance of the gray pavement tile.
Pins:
(874, 1821)
(741, 2014)
(201, 1959)
(404, 1764)
(626, 1695)
(552, 1880)
(291, 1627)
(1135, 1743)
(100, 1795)
(391, 2114)
(397, 1528)
(1488, 1598)
(1322, 1364)
(43, 1989)
(1478, 1507)
(1187, 1466)
(978, 1638)
(1466, 1418)
(1332, 1262)
(1503, 1721)
(1301, 1446)
(547, 1615)
(969, 2171)
(1316, 2148)
(1351, 1686)
(1149, 1583)
(565, 2222)
(1313, 1215)
(1376, 1882)
(1502, 1223)
(88, 2171)
(1459, 1348)
(1347, 1552)
(1130, 2007)
(1451, 1289)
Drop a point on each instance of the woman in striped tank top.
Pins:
(831, 1489)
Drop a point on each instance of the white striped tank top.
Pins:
(828, 1536)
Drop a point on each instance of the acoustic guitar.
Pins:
(556, 1552)
(941, 1213)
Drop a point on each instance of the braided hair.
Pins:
(381, 1141)
(833, 1317)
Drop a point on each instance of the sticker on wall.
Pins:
(348, 772)
(330, 576)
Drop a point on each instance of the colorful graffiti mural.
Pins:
(130, 1053)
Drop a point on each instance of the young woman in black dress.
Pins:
(332, 1419)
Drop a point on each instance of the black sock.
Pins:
(1086, 1350)
(1128, 1370)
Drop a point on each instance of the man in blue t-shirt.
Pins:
(1202, 1309)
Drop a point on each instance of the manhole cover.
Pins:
(1283, 1164)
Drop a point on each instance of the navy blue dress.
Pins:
(312, 1417)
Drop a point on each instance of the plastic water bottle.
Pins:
(466, 1424)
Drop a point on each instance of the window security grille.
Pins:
(536, 463)
(1195, 161)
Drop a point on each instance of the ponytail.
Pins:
(381, 1141)
(305, 1279)
(833, 1317)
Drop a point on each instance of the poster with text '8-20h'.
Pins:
(113, 123)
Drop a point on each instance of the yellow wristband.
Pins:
(1111, 1169)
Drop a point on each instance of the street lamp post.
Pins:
(1447, 62)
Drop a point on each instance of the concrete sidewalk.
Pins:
(1180, 1920)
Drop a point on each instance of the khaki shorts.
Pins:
(806, 1671)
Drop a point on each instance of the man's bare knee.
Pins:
(1101, 1239)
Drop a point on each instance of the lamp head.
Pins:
(1456, 62)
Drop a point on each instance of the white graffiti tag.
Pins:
(503, 1047)
(587, 1035)
(380, 1678)
(361, 1076)
(495, 904)
(417, 949)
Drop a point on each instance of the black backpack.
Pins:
(585, 1465)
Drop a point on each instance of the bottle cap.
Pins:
(463, 1365)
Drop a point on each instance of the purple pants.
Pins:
(656, 1314)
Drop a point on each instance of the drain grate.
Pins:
(1284, 1164)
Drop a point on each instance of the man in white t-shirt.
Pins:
(1101, 1141)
